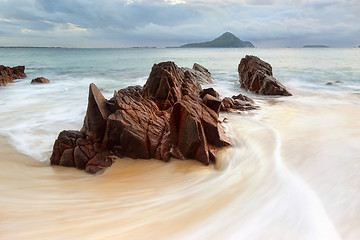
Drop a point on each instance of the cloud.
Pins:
(25, 30)
(174, 22)
(5, 20)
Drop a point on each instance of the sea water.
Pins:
(293, 171)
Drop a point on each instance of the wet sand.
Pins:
(293, 173)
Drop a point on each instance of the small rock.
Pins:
(40, 80)
(239, 102)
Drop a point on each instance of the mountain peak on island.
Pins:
(226, 40)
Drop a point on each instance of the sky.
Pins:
(170, 23)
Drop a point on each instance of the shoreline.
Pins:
(62, 198)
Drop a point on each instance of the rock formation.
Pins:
(8, 74)
(256, 76)
(199, 72)
(169, 117)
(239, 102)
(40, 80)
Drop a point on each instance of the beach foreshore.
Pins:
(293, 158)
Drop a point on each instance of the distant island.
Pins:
(227, 40)
(316, 46)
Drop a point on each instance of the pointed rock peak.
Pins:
(228, 35)
(226, 40)
(96, 114)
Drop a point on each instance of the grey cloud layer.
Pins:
(165, 23)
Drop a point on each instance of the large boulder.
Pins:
(256, 76)
(165, 118)
(9, 74)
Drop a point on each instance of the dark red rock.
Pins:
(186, 131)
(96, 116)
(8, 74)
(239, 102)
(72, 150)
(40, 80)
(212, 102)
(192, 126)
(164, 85)
(256, 76)
(137, 127)
(5, 79)
(166, 118)
(211, 99)
(18, 72)
(210, 91)
(198, 72)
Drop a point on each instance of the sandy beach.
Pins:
(290, 171)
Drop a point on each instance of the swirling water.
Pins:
(293, 172)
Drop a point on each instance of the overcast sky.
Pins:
(126, 23)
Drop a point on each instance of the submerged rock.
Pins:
(333, 83)
(166, 118)
(256, 76)
(9, 74)
(40, 80)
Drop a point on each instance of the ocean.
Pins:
(293, 171)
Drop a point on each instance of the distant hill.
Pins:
(227, 40)
(316, 46)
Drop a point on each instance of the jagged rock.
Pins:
(40, 80)
(72, 149)
(192, 127)
(167, 84)
(239, 102)
(212, 102)
(8, 74)
(137, 128)
(210, 91)
(199, 72)
(166, 118)
(96, 116)
(211, 99)
(256, 76)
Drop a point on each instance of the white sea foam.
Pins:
(293, 172)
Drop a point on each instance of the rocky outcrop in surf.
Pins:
(171, 116)
(239, 102)
(40, 80)
(9, 74)
(256, 76)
